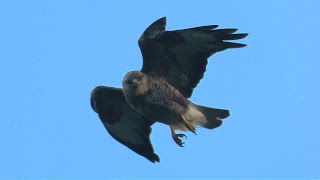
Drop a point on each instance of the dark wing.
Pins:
(122, 122)
(180, 57)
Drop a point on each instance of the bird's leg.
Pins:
(188, 125)
(176, 137)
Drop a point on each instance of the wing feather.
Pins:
(180, 56)
(122, 122)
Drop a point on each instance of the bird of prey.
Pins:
(174, 62)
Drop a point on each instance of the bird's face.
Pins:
(135, 81)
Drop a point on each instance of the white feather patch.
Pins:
(196, 117)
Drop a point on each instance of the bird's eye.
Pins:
(129, 82)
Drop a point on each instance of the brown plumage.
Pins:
(174, 62)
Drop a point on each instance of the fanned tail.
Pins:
(207, 117)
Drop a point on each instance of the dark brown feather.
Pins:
(181, 56)
(122, 122)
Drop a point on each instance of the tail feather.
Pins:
(213, 116)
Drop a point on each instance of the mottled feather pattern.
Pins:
(181, 56)
(174, 62)
(160, 99)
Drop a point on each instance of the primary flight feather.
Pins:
(174, 62)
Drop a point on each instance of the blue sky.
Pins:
(53, 53)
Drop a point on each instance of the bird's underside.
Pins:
(158, 101)
(174, 62)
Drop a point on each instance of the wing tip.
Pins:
(202, 28)
(154, 158)
(152, 30)
(245, 34)
(164, 18)
(158, 25)
(234, 45)
(235, 36)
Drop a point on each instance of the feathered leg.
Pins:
(188, 125)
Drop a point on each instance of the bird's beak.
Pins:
(136, 81)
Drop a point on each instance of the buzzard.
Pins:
(174, 62)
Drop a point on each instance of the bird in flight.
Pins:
(174, 62)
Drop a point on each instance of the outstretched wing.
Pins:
(180, 57)
(122, 122)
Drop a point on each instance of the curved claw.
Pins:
(177, 137)
(179, 141)
(182, 135)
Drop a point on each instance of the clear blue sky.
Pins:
(53, 53)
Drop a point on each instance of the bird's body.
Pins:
(159, 101)
(174, 62)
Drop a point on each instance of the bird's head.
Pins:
(135, 81)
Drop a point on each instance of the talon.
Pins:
(182, 135)
(176, 137)
(178, 141)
